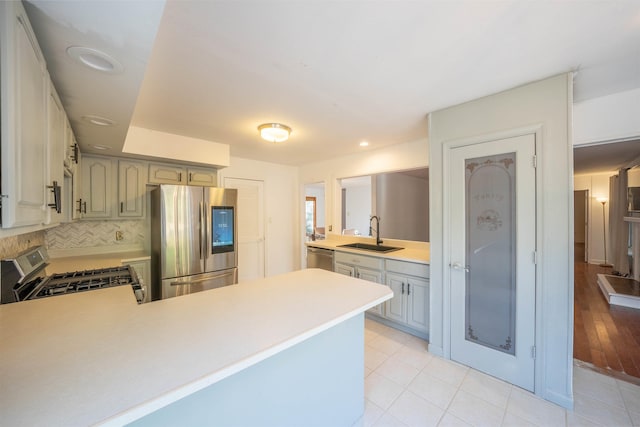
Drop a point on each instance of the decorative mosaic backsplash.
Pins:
(11, 246)
(85, 234)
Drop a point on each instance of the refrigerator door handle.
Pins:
(205, 230)
(200, 234)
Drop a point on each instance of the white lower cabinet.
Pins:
(362, 267)
(410, 285)
(409, 281)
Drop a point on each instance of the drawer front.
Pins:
(358, 260)
(409, 268)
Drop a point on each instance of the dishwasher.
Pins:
(319, 258)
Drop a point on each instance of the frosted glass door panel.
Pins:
(492, 275)
(490, 252)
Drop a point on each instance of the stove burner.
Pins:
(23, 278)
(80, 281)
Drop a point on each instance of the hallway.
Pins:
(607, 338)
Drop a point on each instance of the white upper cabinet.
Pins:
(202, 176)
(132, 178)
(55, 158)
(73, 159)
(97, 187)
(174, 174)
(167, 174)
(23, 109)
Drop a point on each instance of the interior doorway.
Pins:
(314, 210)
(581, 225)
(251, 231)
(606, 338)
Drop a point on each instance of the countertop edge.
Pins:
(395, 255)
(146, 408)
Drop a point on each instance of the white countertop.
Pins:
(417, 252)
(98, 357)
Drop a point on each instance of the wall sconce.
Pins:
(274, 132)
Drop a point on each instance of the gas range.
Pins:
(23, 278)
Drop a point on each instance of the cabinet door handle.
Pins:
(121, 207)
(190, 177)
(180, 176)
(408, 288)
(79, 206)
(84, 207)
(403, 287)
(358, 275)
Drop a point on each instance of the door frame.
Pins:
(447, 146)
(265, 241)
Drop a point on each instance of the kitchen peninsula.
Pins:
(275, 351)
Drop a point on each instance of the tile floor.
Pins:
(407, 386)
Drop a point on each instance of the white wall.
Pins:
(598, 186)
(607, 118)
(358, 209)
(402, 201)
(150, 143)
(283, 229)
(545, 106)
(404, 156)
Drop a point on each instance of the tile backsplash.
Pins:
(12, 246)
(92, 234)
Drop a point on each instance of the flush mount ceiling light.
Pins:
(98, 120)
(101, 147)
(95, 59)
(364, 144)
(274, 132)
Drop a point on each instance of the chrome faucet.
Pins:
(378, 239)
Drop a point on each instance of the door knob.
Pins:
(458, 266)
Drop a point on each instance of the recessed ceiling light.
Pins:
(98, 120)
(364, 144)
(95, 59)
(101, 147)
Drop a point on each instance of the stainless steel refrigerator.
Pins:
(194, 239)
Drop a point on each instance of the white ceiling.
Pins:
(336, 72)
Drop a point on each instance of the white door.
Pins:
(493, 224)
(251, 255)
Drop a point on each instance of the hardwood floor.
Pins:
(607, 337)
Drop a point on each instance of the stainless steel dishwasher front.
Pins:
(319, 258)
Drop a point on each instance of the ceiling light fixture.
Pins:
(101, 147)
(95, 59)
(364, 144)
(274, 132)
(98, 120)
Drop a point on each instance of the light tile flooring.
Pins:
(407, 386)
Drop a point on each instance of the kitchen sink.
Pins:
(369, 247)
